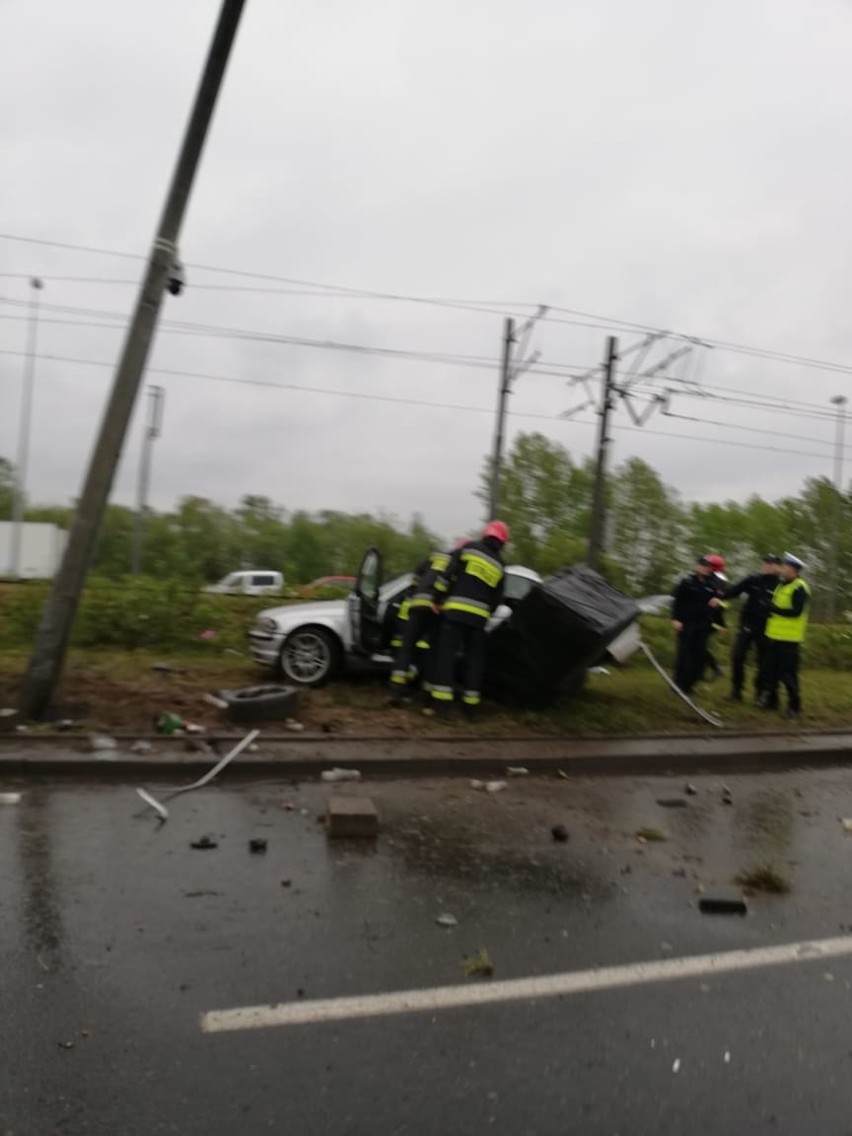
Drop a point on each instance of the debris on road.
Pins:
(286, 883)
(690, 790)
(161, 810)
(847, 823)
(765, 878)
(65, 1044)
(479, 965)
(560, 833)
(293, 726)
(495, 786)
(258, 844)
(340, 775)
(446, 920)
(141, 747)
(10, 798)
(167, 668)
(516, 771)
(672, 802)
(217, 769)
(102, 743)
(351, 817)
(727, 796)
(676, 1065)
(651, 836)
(723, 903)
(727, 1057)
(204, 843)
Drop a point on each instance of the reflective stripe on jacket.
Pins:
(472, 582)
(788, 628)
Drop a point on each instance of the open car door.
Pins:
(364, 604)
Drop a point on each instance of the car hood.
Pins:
(290, 614)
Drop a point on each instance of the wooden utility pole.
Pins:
(597, 520)
(51, 640)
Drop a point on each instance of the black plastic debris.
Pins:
(203, 843)
(723, 903)
(559, 833)
(559, 630)
(258, 844)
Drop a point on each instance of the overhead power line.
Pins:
(490, 307)
(404, 401)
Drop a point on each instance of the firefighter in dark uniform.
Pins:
(754, 613)
(416, 627)
(692, 619)
(467, 593)
(785, 633)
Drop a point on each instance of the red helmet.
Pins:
(498, 529)
(717, 563)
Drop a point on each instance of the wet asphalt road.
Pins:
(117, 937)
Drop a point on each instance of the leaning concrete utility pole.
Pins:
(51, 640)
(500, 425)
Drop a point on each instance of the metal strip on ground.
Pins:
(522, 989)
(163, 812)
(712, 719)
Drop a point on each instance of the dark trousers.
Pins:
(782, 669)
(420, 627)
(745, 640)
(467, 640)
(690, 655)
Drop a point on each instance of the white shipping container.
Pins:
(42, 546)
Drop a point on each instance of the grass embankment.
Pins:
(119, 690)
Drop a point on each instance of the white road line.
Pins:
(520, 989)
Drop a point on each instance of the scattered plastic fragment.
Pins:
(447, 920)
(141, 747)
(847, 823)
(168, 723)
(217, 768)
(475, 784)
(340, 775)
(258, 844)
(495, 786)
(99, 743)
(598, 671)
(293, 726)
(479, 965)
(723, 903)
(161, 810)
(560, 833)
(676, 1065)
(214, 700)
(727, 1057)
(727, 796)
(203, 843)
(10, 798)
(690, 790)
(516, 771)
(286, 883)
(65, 1044)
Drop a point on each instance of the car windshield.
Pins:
(230, 581)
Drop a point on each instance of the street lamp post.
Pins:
(23, 457)
(840, 402)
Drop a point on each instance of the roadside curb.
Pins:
(439, 755)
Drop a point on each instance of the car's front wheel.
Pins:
(310, 656)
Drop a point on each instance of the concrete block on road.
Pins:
(351, 817)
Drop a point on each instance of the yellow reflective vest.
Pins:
(788, 628)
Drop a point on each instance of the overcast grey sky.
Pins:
(675, 164)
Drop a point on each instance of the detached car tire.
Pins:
(310, 656)
(261, 703)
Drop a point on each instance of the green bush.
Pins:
(135, 614)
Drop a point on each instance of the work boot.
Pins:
(792, 715)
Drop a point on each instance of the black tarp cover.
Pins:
(560, 629)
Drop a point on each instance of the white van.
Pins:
(254, 583)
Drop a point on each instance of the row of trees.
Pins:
(652, 533)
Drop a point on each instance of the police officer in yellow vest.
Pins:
(785, 631)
